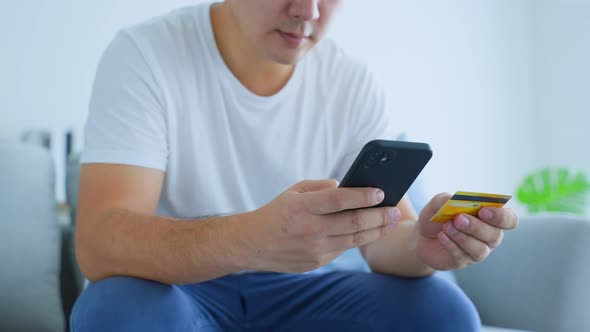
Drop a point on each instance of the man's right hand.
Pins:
(312, 223)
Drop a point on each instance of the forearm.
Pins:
(396, 253)
(122, 243)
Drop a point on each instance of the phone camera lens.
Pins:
(376, 155)
(374, 158)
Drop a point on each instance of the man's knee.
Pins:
(448, 307)
(429, 304)
(131, 304)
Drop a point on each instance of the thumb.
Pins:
(314, 185)
(428, 228)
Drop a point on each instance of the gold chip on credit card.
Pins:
(468, 203)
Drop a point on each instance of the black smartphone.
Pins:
(391, 166)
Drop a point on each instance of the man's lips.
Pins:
(293, 39)
(293, 35)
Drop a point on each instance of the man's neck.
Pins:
(261, 76)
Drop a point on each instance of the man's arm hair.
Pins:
(119, 234)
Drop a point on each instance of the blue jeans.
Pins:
(337, 301)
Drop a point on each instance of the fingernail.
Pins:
(462, 222)
(395, 214)
(391, 227)
(379, 196)
(452, 230)
(486, 214)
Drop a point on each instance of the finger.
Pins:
(341, 199)
(354, 221)
(499, 217)
(432, 229)
(314, 185)
(479, 229)
(476, 249)
(460, 257)
(434, 205)
(344, 242)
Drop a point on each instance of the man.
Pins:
(230, 109)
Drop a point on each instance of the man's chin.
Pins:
(289, 58)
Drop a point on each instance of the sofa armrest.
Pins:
(537, 279)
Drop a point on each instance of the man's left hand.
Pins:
(462, 241)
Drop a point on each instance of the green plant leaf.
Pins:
(555, 190)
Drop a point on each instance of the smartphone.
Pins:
(391, 166)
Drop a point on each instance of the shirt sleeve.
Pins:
(369, 119)
(126, 122)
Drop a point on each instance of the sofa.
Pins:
(535, 281)
(39, 278)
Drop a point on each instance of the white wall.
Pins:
(49, 53)
(562, 83)
(457, 73)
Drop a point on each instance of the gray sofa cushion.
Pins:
(29, 241)
(537, 279)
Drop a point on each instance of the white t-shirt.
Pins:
(163, 98)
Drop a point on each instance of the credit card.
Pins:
(468, 203)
